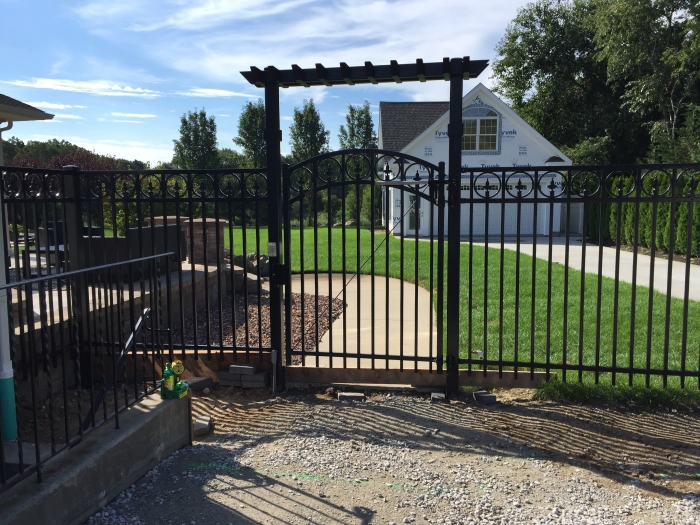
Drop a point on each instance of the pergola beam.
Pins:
(366, 74)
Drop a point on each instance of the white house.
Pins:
(494, 136)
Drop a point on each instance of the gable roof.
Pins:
(13, 110)
(443, 118)
(401, 122)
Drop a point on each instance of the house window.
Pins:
(481, 129)
(480, 134)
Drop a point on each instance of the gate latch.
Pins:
(279, 274)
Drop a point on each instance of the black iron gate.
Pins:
(363, 289)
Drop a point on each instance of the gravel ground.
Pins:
(305, 458)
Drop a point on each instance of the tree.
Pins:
(308, 138)
(360, 132)
(230, 158)
(41, 153)
(196, 148)
(549, 70)
(650, 52)
(11, 148)
(251, 134)
(308, 135)
(602, 78)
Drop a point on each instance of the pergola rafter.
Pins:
(367, 74)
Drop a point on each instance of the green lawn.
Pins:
(489, 338)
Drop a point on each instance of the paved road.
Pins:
(625, 268)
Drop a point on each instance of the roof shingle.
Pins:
(401, 122)
(9, 101)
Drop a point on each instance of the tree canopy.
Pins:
(54, 154)
(196, 148)
(604, 80)
(230, 158)
(251, 134)
(308, 136)
(360, 128)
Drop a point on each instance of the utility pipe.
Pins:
(7, 384)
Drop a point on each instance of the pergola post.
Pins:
(273, 136)
(454, 206)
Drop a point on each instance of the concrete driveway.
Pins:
(626, 267)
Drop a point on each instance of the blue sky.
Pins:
(119, 74)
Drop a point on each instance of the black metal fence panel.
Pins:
(84, 346)
(585, 273)
(348, 272)
(216, 283)
(589, 273)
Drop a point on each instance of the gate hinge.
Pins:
(279, 274)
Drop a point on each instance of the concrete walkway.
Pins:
(354, 326)
(626, 266)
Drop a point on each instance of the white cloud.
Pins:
(133, 115)
(53, 105)
(212, 93)
(128, 121)
(212, 13)
(66, 115)
(311, 33)
(108, 9)
(93, 87)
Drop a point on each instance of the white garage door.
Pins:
(511, 217)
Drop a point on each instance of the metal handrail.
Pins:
(71, 273)
(117, 367)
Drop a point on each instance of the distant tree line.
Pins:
(197, 148)
(54, 154)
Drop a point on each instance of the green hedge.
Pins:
(624, 235)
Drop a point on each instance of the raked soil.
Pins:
(303, 457)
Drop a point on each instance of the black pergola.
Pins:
(455, 71)
(367, 74)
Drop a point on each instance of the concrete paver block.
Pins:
(197, 384)
(351, 396)
(438, 397)
(228, 379)
(485, 397)
(202, 425)
(242, 369)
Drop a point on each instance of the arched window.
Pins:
(481, 129)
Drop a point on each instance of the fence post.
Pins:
(454, 131)
(75, 260)
(273, 137)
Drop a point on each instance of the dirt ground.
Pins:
(661, 450)
(303, 457)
